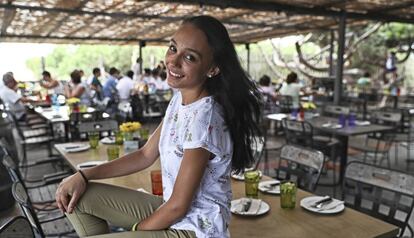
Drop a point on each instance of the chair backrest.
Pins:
(18, 226)
(298, 132)
(380, 192)
(334, 110)
(387, 118)
(257, 147)
(98, 126)
(285, 103)
(21, 196)
(301, 165)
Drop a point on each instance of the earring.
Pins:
(209, 75)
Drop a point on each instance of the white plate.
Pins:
(332, 126)
(90, 164)
(258, 207)
(265, 186)
(72, 148)
(108, 140)
(240, 176)
(335, 206)
(362, 123)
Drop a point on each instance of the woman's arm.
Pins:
(188, 181)
(77, 91)
(72, 187)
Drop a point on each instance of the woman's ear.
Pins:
(214, 71)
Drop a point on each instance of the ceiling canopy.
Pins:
(130, 21)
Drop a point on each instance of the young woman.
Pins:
(77, 89)
(204, 135)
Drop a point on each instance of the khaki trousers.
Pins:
(103, 203)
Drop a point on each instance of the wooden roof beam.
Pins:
(111, 14)
(7, 19)
(315, 10)
(79, 39)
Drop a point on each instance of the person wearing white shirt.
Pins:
(125, 85)
(136, 68)
(11, 98)
(292, 88)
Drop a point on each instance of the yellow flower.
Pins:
(308, 105)
(130, 126)
(72, 100)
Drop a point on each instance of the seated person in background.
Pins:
(365, 81)
(12, 99)
(76, 89)
(292, 88)
(109, 86)
(125, 85)
(49, 83)
(265, 87)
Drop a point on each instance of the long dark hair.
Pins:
(233, 90)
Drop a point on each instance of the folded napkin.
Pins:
(331, 205)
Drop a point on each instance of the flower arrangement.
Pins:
(72, 101)
(308, 106)
(130, 126)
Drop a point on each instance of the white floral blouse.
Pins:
(199, 125)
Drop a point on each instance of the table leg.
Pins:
(344, 156)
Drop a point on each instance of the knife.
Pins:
(72, 147)
(321, 202)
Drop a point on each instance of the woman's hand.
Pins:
(69, 192)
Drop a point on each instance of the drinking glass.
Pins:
(288, 194)
(144, 133)
(251, 182)
(351, 120)
(156, 182)
(112, 152)
(119, 138)
(93, 139)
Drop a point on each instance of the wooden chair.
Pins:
(301, 165)
(380, 192)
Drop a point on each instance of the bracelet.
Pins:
(135, 227)
(83, 176)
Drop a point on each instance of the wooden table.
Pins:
(276, 223)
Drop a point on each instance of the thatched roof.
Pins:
(130, 21)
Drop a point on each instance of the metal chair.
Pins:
(379, 144)
(301, 165)
(380, 192)
(101, 126)
(21, 196)
(302, 133)
(18, 226)
(285, 103)
(334, 110)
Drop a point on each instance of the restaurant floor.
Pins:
(396, 163)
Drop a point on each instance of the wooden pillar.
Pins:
(248, 57)
(340, 59)
(141, 45)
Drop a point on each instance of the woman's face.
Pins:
(189, 58)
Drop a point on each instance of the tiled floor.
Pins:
(397, 163)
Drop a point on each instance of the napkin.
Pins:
(335, 203)
(253, 209)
